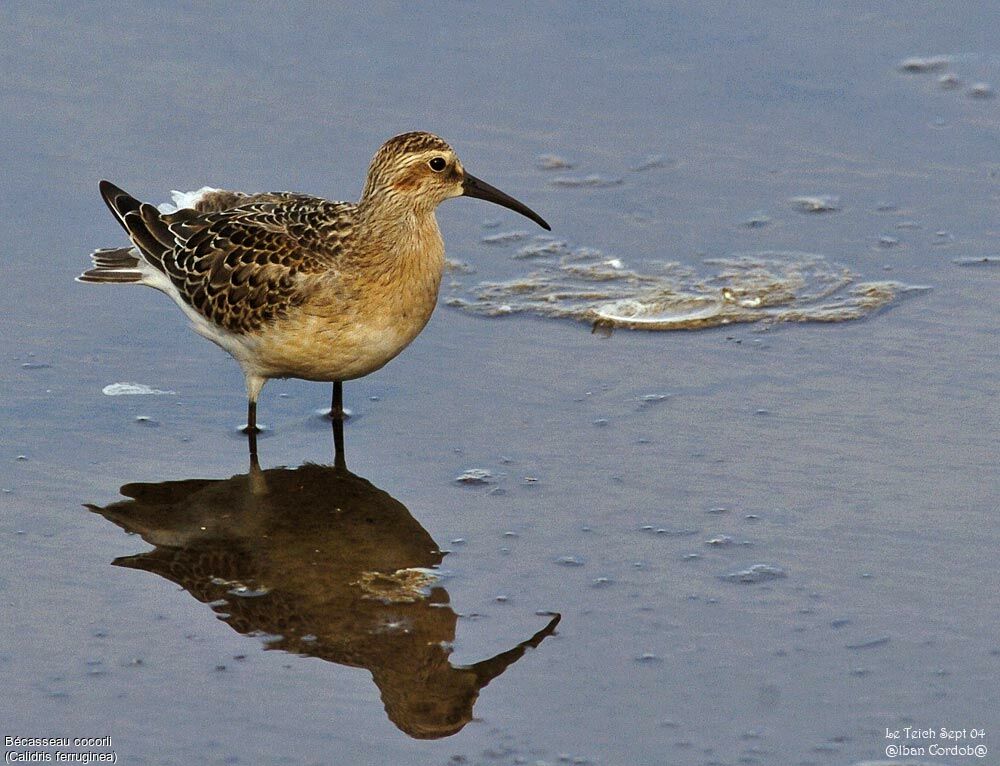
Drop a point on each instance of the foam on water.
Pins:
(768, 286)
(133, 389)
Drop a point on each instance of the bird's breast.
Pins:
(350, 329)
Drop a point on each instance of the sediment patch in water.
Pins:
(770, 286)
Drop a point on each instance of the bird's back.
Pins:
(236, 260)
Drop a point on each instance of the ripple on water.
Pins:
(553, 162)
(720, 541)
(649, 399)
(756, 573)
(870, 643)
(651, 162)
(920, 64)
(769, 286)
(593, 181)
(949, 80)
(505, 237)
(820, 203)
(543, 247)
(475, 477)
(985, 260)
(756, 221)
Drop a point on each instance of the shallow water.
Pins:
(768, 542)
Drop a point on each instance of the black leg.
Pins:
(337, 418)
(339, 461)
(337, 401)
(252, 427)
(251, 417)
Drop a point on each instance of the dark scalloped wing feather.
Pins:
(240, 267)
(236, 265)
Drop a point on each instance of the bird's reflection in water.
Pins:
(319, 562)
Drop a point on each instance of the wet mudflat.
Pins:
(770, 535)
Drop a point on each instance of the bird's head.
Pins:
(422, 170)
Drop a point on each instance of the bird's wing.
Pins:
(243, 266)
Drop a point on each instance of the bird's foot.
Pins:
(341, 415)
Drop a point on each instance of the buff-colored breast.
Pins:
(359, 318)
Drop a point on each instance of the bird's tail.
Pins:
(113, 264)
(147, 230)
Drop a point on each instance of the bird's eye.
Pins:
(438, 164)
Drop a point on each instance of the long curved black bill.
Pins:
(473, 187)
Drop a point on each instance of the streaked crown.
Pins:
(407, 143)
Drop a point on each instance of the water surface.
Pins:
(767, 541)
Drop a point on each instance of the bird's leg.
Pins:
(337, 420)
(251, 416)
(339, 461)
(252, 428)
(254, 385)
(337, 401)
